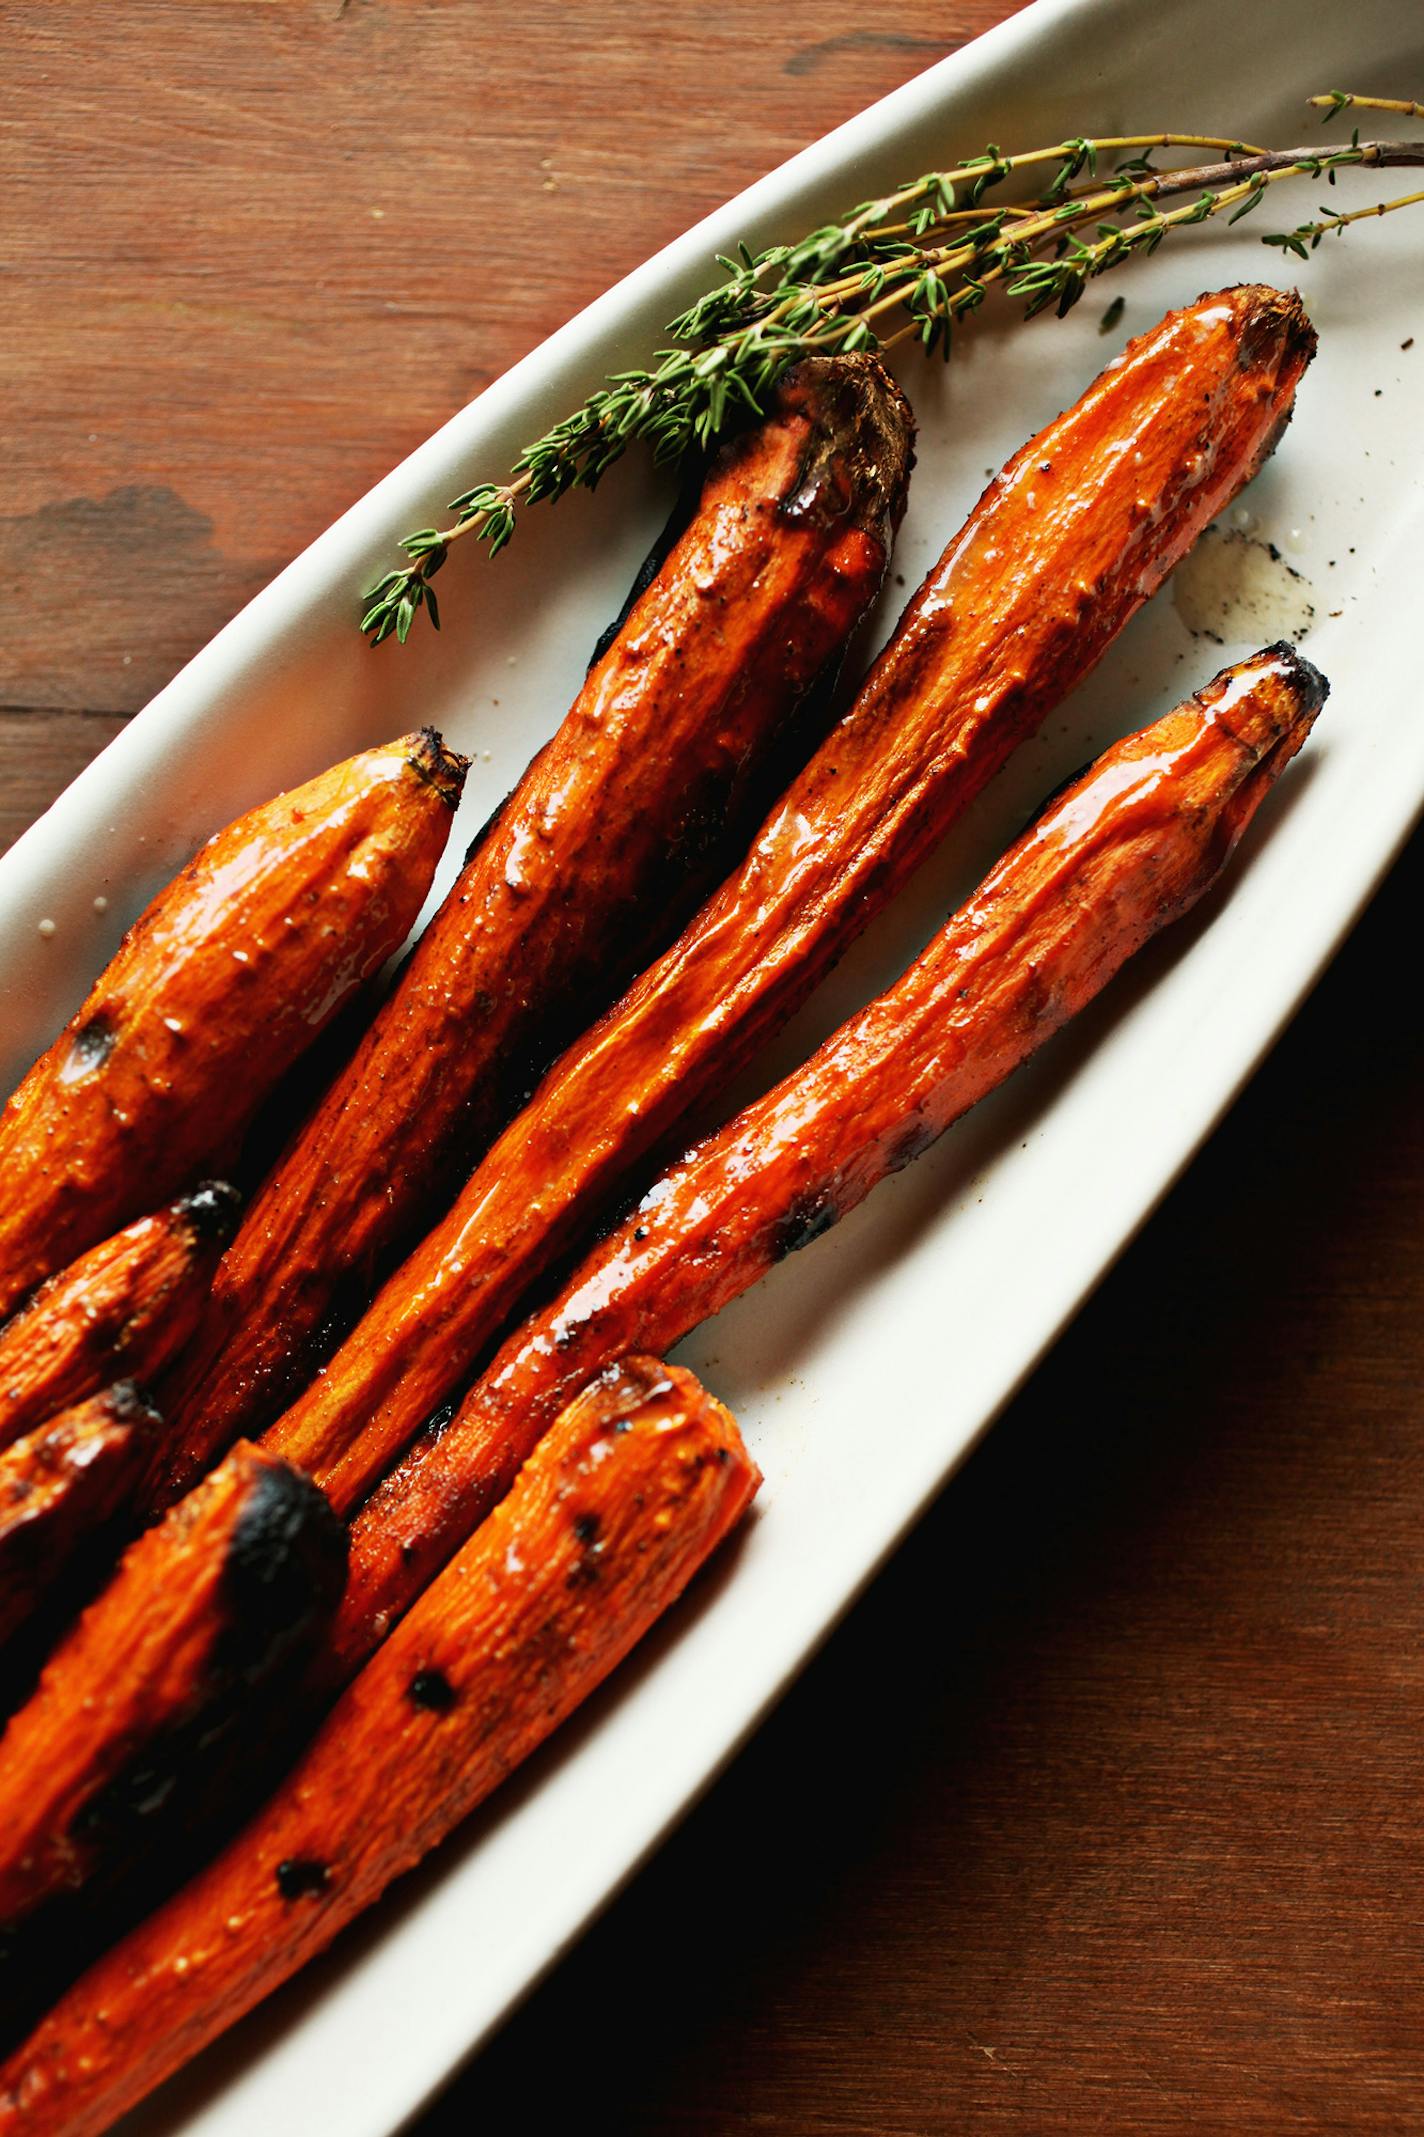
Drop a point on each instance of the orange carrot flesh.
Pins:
(637, 1483)
(1075, 533)
(1132, 845)
(215, 991)
(200, 1611)
(120, 1312)
(62, 1483)
(623, 821)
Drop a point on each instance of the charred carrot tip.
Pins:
(287, 1551)
(1311, 686)
(126, 1402)
(858, 460)
(1271, 314)
(211, 1212)
(442, 768)
(615, 1512)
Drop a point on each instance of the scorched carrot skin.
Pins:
(60, 1484)
(635, 1486)
(621, 824)
(214, 992)
(120, 1312)
(201, 1610)
(1062, 548)
(1126, 850)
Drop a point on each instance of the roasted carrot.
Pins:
(1127, 849)
(623, 821)
(637, 1483)
(61, 1484)
(1075, 533)
(120, 1312)
(214, 992)
(200, 1612)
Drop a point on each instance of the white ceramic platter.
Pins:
(864, 1368)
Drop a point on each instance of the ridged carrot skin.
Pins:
(120, 1312)
(1126, 850)
(201, 1611)
(1063, 547)
(214, 992)
(637, 1483)
(625, 819)
(59, 1485)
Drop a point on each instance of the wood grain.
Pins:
(1102, 1810)
(259, 251)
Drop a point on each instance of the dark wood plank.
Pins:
(258, 252)
(40, 752)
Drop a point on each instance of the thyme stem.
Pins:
(835, 288)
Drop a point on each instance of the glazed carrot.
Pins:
(62, 1483)
(201, 1611)
(637, 1483)
(645, 795)
(214, 992)
(1127, 849)
(120, 1312)
(1075, 533)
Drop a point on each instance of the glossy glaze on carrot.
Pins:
(199, 1613)
(120, 1312)
(637, 1483)
(1126, 850)
(62, 1484)
(214, 992)
(643, 798)
(1067, 542)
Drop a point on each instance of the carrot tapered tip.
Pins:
(442, 768)
(127, 1404)
(211, 1212)
(1310, 685)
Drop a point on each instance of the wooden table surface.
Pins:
(1103, 1810)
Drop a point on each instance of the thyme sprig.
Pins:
(913, 263)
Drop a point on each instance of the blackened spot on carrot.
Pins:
(807, 1218)
(408, 1552)
(724, 1455)
(432, 1689)
(586, 1529)
(89, 1049)
(300, 1878)
(912, 1144)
